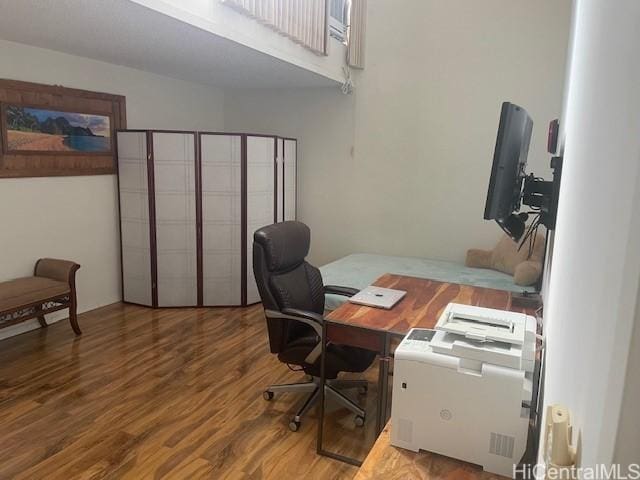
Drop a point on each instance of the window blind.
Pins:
(303, 21)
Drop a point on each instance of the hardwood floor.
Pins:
(147, 393)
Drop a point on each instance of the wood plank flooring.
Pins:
(173, 393)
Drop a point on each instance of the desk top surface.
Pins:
(390, 463)
(421, 306)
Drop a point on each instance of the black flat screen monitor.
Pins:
(508, 170)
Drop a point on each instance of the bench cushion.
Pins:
(29, 290)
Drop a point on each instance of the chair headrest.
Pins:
(286, 244)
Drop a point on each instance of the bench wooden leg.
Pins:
(73, 317)
(73, 302)
(40, 316)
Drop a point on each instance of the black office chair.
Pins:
(292, 295)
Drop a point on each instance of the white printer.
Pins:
(464, 389)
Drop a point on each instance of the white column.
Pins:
(595, 270)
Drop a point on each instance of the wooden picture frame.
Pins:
(73, 148)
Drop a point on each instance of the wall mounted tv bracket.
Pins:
(542, 195)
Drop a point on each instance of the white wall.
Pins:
(593, 286)
(76, 217)
(627, 446)
(402, 166)
(322, 119)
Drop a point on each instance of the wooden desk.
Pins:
(420, 308)
(373, 328)
(390, 463)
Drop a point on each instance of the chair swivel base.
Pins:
(332, 388)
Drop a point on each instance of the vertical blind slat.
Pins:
(301, 20)
(357, 33)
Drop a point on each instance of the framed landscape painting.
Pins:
(50, 130)
(41, 130)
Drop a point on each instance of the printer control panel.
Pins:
(418, 340)
(422, 334)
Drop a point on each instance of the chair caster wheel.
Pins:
(267, 395)
(363, 390)
(358, 420)
(294, 425)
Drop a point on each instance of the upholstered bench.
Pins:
(51, 288)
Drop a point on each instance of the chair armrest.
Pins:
(313, 316)
(312, 319)
(337, 290)
(60, 270)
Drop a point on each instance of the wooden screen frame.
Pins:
(244, 260)
(53, 97)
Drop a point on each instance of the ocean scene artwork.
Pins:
(40, 130)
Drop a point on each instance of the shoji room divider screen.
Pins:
(189, 204)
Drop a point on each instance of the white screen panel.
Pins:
(290, 173)
(260, 199)
(174, 174)
(134, 217)
(280, 179)
(221, 217)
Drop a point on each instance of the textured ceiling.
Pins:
(125, 33)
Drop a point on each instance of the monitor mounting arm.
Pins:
(543, 194)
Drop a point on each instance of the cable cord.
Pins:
(347, 85)
(531, 235)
